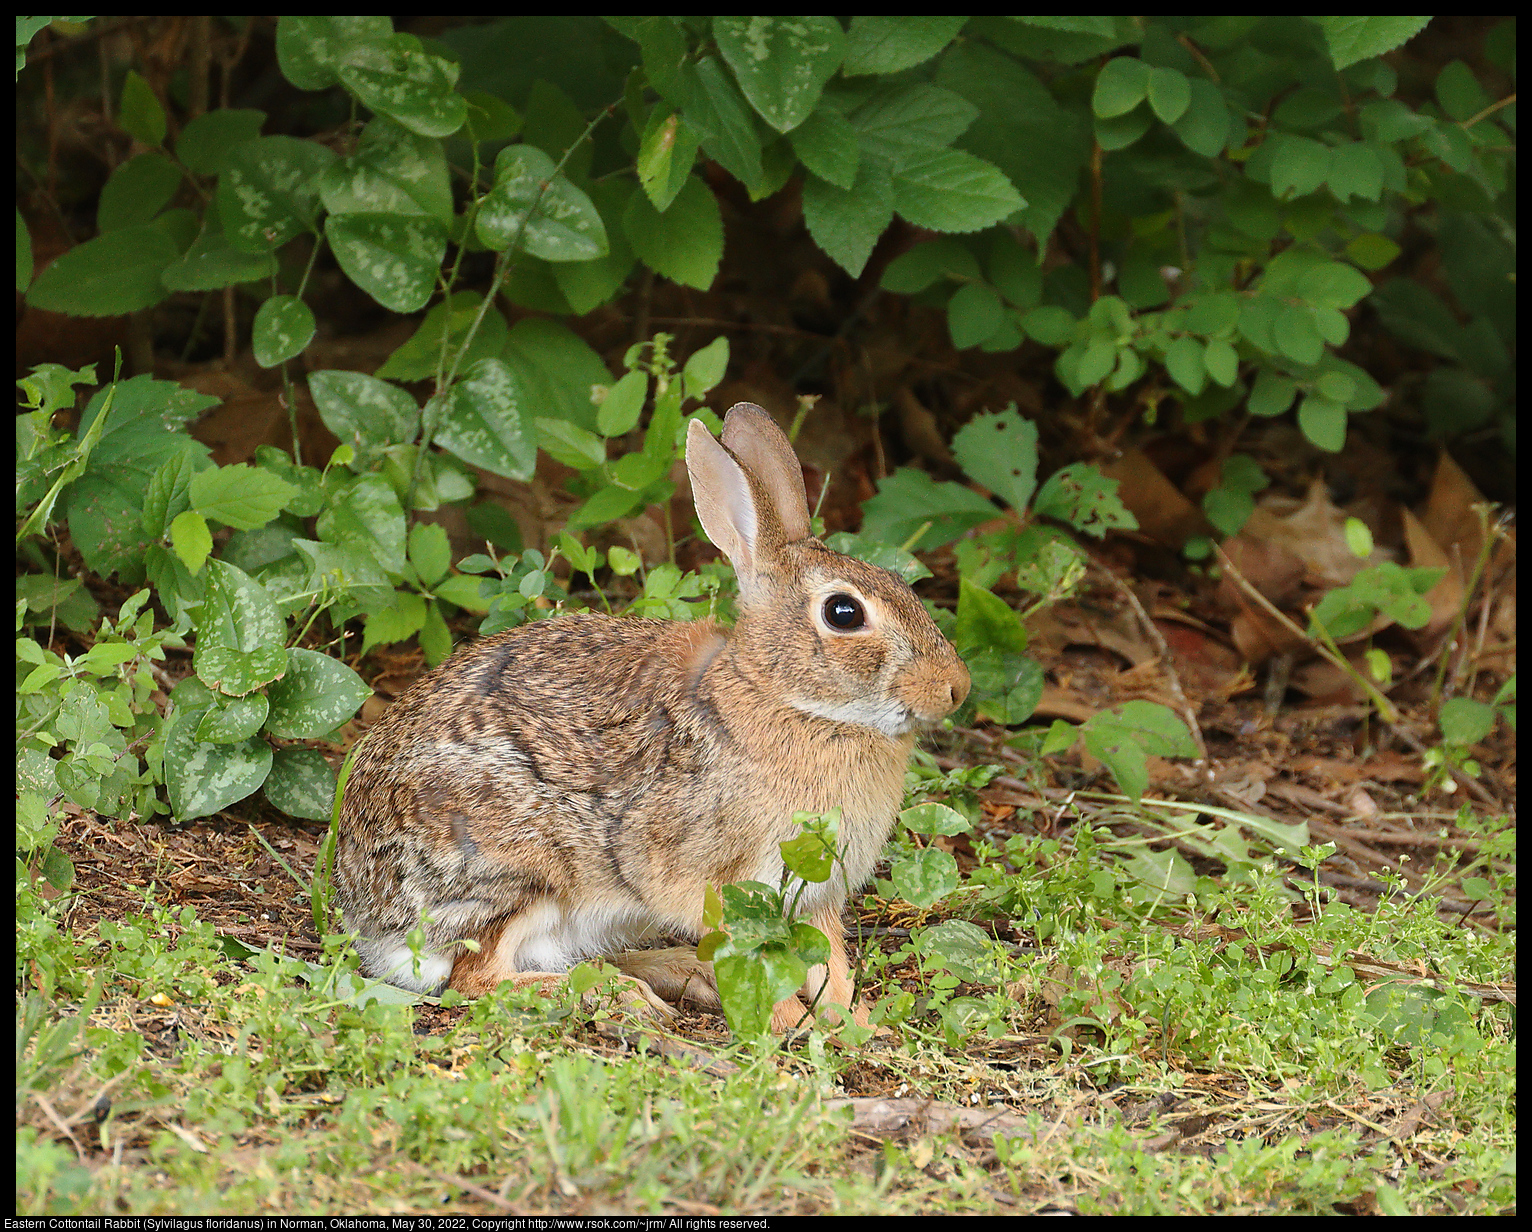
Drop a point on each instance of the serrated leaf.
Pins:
(665, 156)
(908, 498)
(138, 190)
(826, 144)
(113, 274)
(847, 224)
(240, 495)
(984, 620)
(1082, 496)
(951, 190)
(1353, 39)
(893, 44)
(685, 243)
(191, 540)
(999, 451)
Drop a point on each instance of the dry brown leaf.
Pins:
(1163, 513)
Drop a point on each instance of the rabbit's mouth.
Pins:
(886, 715)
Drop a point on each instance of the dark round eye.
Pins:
(844, 612)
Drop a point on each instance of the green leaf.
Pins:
(900, 123)
(191, 540)
(23, 253)
(1184, 361)
(711, 103)
(310, 49)
(240, 495)
(999, 450)
(429, 552)
(561, 223)
(393, 171)
(1296, 333)
(366, 515)
(607, 505)
(1465, 721)
(950, 190)
(113, 274)
(1272, 394)
(934, 819)
(923, 878)
(1323, 422)
(1169, 92)
(315, 697)
(395, 258)
(403, 618)
(985, 620)
(1459, 91)
(485, 421)
(138, 190)
(1007, 685)
(1204, 125)
(1221, 361)
(140, 113)
(1122, 737)
(301, 784)
(893, 44)
(1120, 86)
(406, 83)
(1356, 170)
(782, 63)
(1122, 131)
(974, 314)
(570, 444)
(624, 403)
(284, 326)
(909, 498)
(884, 555)
(826, 143)
(236, 673)
(231, 720)
(1299, 165)
(1372, 251)
(1049, 324)
(364, 412)
(269, 191)
(685, 243)
(705, 368)
(204, 144)
(847, 224)
(212, 263)
(665, 156)
(1082, 496)
(1353, 39)
(203, 778)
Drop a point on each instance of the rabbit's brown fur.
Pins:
(572, 786)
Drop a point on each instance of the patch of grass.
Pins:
(1241, 1052)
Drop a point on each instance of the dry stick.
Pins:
(1166, 661)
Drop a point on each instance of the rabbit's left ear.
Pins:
(753, 437)
(726, 504)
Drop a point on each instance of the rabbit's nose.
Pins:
(957, 689)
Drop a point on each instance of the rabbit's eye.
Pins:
(844, 612)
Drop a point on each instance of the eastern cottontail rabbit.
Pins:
(570, 787)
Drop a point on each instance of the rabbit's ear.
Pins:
(726, 504)
(753, 437)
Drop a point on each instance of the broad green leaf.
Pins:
(706, 367)
(847, 224)
(485, 421)
(367, 516)
(1082, 496)
(236, 673)
(1007, 685)
(284, 326)
(624, 403)
(139, 112)
(909, 498)
(685, 243)
(985, 620)
(1184, 361)
(974, 314)
(417, 358)
(1204, 126)
(781, 63)
(1352, 39)
(138, 190)
(711, 103)
(429, 552)
(1120, 86)
(586, 285)
(403, 618)
(1323, 422)
(315, 697)
(204, 144)
(934, 819)
(826, 143)
(999, 450)
(393, 171)
(239, 495)
(364, 412)
(406, 83)
(923, 878)
(950, 190)
(557, 368)
(1296, 333)
(190, 539)
(1221, 361)
(269, 191)
(395, 258)
(310, 49)
(893, 44)
(552, 218)
(1465, 721)
(203, 778)
(233, 720)
(900, 123)
(941, 257)
(1299, 165)
(301, 784)
(1169, 93)
(115, 273)
(212, 263)
(665, 156)
(884, 555)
